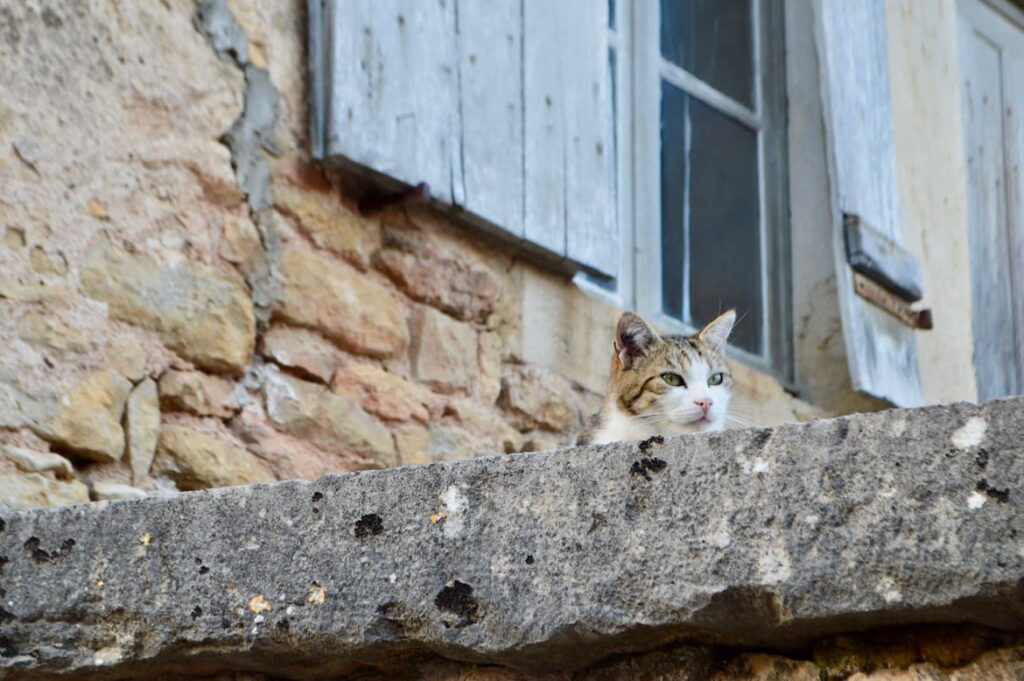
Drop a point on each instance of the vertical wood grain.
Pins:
(491, 94)
(882, 352)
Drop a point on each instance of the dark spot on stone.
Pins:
(52, 19)
(317, 496)
(197, 612)
(3, 524)
(9, 26)
(66, 546)
(203, 570)
(225, 623)
(458, 600)
(529, 560)
(1000, 495)
(843, 429)
(7, 647)
(369, 524)
(646, 445)
(316, 510)
(647, 465)
(597, 521)
(761, 438)
(284, 625)
(38, 554)
(392, 614)
(981, 458)
(199, 561)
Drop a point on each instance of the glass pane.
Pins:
(713, 40)
(711, 242)
(675, 187)
(613, 133)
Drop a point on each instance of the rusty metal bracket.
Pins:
(891, 303)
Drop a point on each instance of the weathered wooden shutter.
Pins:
(992, 59)
(851, 34)
(502, 107)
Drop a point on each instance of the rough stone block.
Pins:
(443, 351)
(536, 398)
(346, 306)
(327, 222)
(302, 351)
(443, 276)
(142, 426)
(87, 420)
(198, 393)
(31, 461)
(33, 490)
(768, 538)
(195, 460)
(201, 313)
(384, 394)
(331, 422)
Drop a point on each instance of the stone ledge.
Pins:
(762, 538)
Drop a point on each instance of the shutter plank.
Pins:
(881, 351)
(544, 125)
(1013, 121)
(490, 60)
(994, 250)
(591, 235)
(393, 92)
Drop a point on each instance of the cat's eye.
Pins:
(716, 378)
(672, 379)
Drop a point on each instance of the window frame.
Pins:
(640, 69)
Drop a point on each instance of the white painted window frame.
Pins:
(640, 70)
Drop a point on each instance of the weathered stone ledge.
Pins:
(768, 538)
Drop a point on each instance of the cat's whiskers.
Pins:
(683, 414)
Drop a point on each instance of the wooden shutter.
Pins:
(851, 36)
(992, 60)
(502, 107)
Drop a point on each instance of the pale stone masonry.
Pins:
(189, 302)
(792, 541)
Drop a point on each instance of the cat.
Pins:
(664, 385)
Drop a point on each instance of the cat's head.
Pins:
(672, 384)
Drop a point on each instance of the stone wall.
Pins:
(189, 302)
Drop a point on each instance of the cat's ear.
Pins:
(716, 333)
(633, 339)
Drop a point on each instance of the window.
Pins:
(698, 89)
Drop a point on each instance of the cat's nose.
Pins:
(704, 403)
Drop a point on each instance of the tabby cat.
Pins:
(664, 385)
